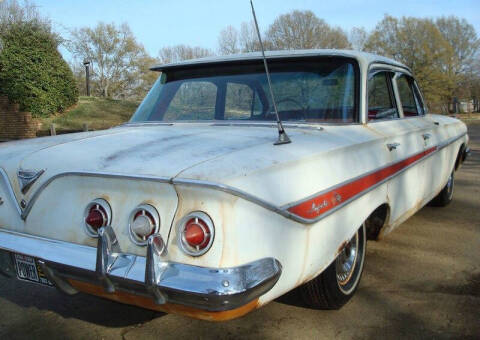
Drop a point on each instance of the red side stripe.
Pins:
(322, 203)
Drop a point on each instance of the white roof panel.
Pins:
(363, 57)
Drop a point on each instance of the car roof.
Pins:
(362, 57)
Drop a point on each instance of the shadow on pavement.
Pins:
(81, 306)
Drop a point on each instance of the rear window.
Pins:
(322, 90)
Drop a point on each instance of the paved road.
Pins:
(421, 281)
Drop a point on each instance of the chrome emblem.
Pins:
(317, 208)
(27, 177)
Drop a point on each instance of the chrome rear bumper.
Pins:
(210, 289)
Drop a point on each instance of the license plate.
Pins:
(29, 270)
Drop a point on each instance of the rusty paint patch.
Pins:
(305, 257)
(339, 250)
(145, 302)
(387, 228)
(376, 132)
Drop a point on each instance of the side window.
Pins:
(407, 96)
(241, 102)
(381, 104)
(194, 100)
(418, 99)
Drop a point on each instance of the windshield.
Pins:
(321, 90)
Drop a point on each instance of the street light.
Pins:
(87, 75)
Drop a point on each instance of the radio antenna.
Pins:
(282, 135)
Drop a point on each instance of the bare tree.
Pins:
(228, 41)
(114, 53)
(12, 11)
(304, 30)
(462, 37)
(172, 54)
(248, 37)
(358, 37)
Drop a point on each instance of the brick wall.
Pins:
(15, 124)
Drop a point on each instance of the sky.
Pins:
(198, 22)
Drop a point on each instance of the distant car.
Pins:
(190, 208)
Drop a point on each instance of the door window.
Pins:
(418, 98)
(241, 102)
(194, 100)
(381, 104)
(410, 103)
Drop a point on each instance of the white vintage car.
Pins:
(193, 208)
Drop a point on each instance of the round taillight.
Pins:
(144, 222)
(196, 233)
(97, 214)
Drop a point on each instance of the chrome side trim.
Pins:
(30, 204)
(327, 213)
(10, 191)
(239, 193)
(212, 289)
(281, 210)
(26, 178)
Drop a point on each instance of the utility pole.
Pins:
(87, 75)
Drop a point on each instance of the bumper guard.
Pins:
(210, 289)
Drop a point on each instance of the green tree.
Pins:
(36, 77)
(420, 45)
(115, 55)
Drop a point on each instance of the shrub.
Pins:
(32, 71)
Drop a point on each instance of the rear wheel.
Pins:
(337, 284)
(445, 196)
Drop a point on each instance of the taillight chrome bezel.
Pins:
(156, 221)
(107, 218)
(182, 242)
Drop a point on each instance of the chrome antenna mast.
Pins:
(282, 135)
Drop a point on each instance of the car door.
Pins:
(414, 138)
(436, 165)
(402, 142)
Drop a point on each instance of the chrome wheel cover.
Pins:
(450, 185)
(346, 262)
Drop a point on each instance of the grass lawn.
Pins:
(97, 113)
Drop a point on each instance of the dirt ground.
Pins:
(421, 281)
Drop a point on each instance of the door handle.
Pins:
(426, 136)
(392, 146)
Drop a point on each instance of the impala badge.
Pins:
(317, 208)
(27, 177)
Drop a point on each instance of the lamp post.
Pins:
(87, 75)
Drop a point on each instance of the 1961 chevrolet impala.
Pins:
(192, 208)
